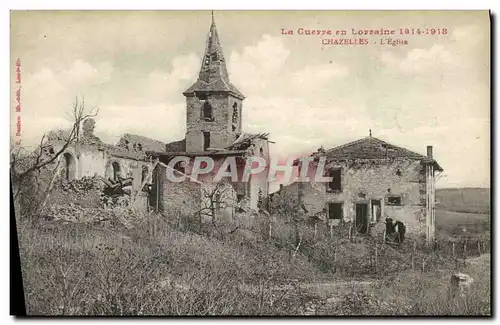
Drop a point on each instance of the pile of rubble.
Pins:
(116, 193)
(85, 184)
(72, 212)
(89, 199)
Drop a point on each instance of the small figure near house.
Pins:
(389, 230)
(394, 231)
(400, 231)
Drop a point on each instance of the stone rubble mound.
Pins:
(88, 200)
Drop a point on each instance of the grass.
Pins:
(76, 269)
(167, 266)
(411, 292)
(459, 224)
(85, 270)
(416, 293)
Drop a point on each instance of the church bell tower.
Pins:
(213, 104)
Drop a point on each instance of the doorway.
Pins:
(376, 210)
(70, 166)
(362, 218)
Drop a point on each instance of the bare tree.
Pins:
(216, 199)
(25, 167)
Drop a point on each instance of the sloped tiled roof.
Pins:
(216, 85)
(372, 148)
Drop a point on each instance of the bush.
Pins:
(75, 269)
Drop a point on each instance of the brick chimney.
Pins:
(429, 152)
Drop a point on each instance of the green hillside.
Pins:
(472, 200)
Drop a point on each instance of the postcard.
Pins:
(228, 163)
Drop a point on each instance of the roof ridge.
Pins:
(404, 151)
(345, 145)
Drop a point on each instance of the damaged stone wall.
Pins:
(363, 181)
(259, 185)
(88, 160)
(128, 168)
(183, 197)
(95, 160)
(189, 196)
(219, 126)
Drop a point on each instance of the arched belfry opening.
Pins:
(235, 117)
(207, 110)
(69, 166)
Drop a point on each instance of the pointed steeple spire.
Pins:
(213, 66)
(213, 74)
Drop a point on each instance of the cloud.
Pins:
(312, 77)
(470, 34)
(263, 68)
(47, 95)
(81, 71)
(256, 67)
(297, 126)
(184, 69)
(420, 61)
(160, 118)
(305, 97)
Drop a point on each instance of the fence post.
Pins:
(423, 265)
(154, 226)
(376, 259)
(335, 260)
(413, 255)
(465, 251)
(315, 229)
(453, 249)
(479, 247)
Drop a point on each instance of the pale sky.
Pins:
(135, 65)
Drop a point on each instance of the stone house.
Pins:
(372, 180)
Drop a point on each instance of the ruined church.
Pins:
(213, 129)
